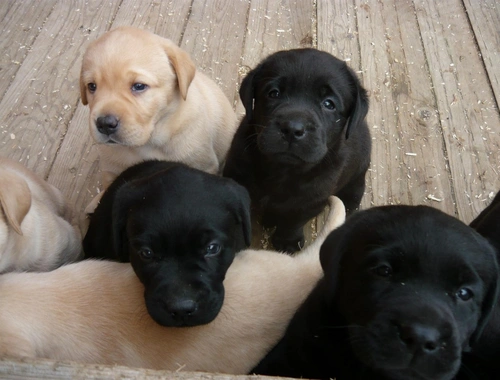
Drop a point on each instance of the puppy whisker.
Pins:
(250, 141)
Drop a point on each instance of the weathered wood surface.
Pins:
(26, 369)
(430, 67)
(431, 76)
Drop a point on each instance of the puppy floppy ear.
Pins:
(15, 199)
(487, 223)
(492, 292)
(247, 91)
(489, 302)
(183, 66)
(330, 256)
(241, 207)
(360, 108)
(124, 198)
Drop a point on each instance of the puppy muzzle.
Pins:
(410, 343)
(292, 138)
(169, 307)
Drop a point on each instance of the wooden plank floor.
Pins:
(431, 69)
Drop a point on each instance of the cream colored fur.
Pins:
(35, 229)
(182, 115)
(94, 312)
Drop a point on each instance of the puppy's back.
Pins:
(60, 306)
(47, 194)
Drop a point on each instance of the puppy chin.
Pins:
(411, 374)
(284, 153)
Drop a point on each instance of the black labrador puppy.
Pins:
(407, 289)
(180, 229)
(303, 138)
(483, 362)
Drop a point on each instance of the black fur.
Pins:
(483, 362)
(180, 228)
(303, 138)
(394, 300)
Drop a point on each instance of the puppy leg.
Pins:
(288, 239)
(289, 236)
(352, 193)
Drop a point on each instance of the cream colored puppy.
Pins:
(148, 101)
(94, 312)
(35, 229)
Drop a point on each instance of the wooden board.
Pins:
(21, 25)
(466, 106)
(26, 369)
(484, 17)
(430, 68)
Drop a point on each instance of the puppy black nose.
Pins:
(182, 308)
(293, 130)
(422, 338)
(107, 125)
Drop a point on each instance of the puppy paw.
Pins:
(285, 244)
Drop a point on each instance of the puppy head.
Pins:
(15, 202)
(182, 228)
(301, 102)
(132, 78)
(415, 287)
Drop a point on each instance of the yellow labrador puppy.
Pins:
(94, 312)
(148, 101)
(35, 229)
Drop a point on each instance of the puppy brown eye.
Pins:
(212, 249)
(465, 294)
(328, 104)
(92, 87)
(145, 254)
(139, 87)
(274, 94)
(383, 270)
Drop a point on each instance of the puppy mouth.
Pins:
(289, 157)
(110, 141)
(103, 138)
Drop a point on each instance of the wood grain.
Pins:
(465, 103)
(21, 25)
(430, 68)
(25, 369)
